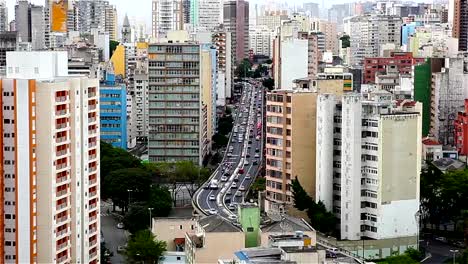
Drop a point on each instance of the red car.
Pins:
(241, 171)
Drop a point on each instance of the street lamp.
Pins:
(417, 217)
(129, 196)
(151, 220)
(454, 252)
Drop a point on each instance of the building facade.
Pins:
(261, 40)
(30, 24)
(167, 15)
(460, 23)
(359, 174)
(113, 109)
(4, 26)
(222, 41)
(461, 130)
(368, 33)
(51, 176)
(177, 115)
(236, 21)
(402, 61)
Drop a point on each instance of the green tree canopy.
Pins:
(112, 46)
(269, 83)
(243, 69)
(345, 41)
(160, 200)
(137, 217)
(143, 246)
(128, 184)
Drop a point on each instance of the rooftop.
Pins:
(299, 249)
(448, 164)
(430, 142)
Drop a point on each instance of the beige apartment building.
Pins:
(291, 117)
(50, 203)
(172, 230)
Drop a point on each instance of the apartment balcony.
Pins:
(91, 119)
(62, 246)
(61, 220)
(61, 126)
(92, 242)
(61, 194)
(61, 140)
(92, 132)
(92, 169)
(62, 259)
(61, 206)
(93, 255)
(62, 233)
(61, 166)
(61, 99)
(92, 218)
(61, 179)
(61, 153)
(60, 112)
(92, 144)
(93, 181)
(92, 231)
(92, 157)
(92, 107)
(94, 205)
(92, 94)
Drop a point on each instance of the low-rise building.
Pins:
(172, 230)
(461, 130)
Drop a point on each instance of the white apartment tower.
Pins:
(209, 14)
(369, 32)
(51, 151)
(3, 16)
(167, 15)
(368, 163)
(261, 40)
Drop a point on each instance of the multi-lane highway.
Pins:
(231, 181)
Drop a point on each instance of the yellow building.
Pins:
(118, 60)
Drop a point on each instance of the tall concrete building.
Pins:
(8, 42)
(3, 17)
(96, 14)
(167, 15)
(368, 33)
(236, 21)
(272, 19)
(180, 102)
(223, 43)
(448, 94)
(329, 31)
(30, 24)
(50, 206)
(459, 9)
(261, 40)
(205, 14)
(369, 162)
(291, 117)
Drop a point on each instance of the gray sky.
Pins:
(142, 8)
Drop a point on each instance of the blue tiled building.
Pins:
(113, 106)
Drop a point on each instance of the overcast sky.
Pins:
(142, 8)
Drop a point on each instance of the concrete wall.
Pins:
(293, 61)
(167, 229)
(219, 246)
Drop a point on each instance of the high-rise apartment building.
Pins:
(328, 29)
(368, 164)
(236, 21)
(167, 15)
(291, 117)
(460, 22)
(50, 139)
(402, 61)
(368, 33)
(222, 42)
(261, 40)
(180, 103)
(311, 9)
(448, 93)
(205, 14)
(8, 42)
(30, 24)
(3, 17)
(272, 19)
(96, 14)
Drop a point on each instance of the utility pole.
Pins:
(151, 219)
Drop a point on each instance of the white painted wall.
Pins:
(395, 219)
(37, 64)
(294, 58)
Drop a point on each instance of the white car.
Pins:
(232, 217)
(224, 179)
(238, 194)
(257, 155)
(232, 207)
(213, 211)
(246, 163)
(234, 185)
(228, 192)
(212, 197)
(120, 225)
(247, 177)
(242, 188)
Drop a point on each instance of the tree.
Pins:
(345, 41)
(400, 259)
(259, 185)
(219, 141)
(112, 46)
(161, 201)
(225, 125)
(243, 69)
(302, 200)
(143, 246)
(268, 83)
(269, 61)
(127, 185)
(137, 217)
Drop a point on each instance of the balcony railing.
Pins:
(61, 206)
(92, 144)
(60, 99)
(93, 242)
(62, 179)
(92, 156)
(91, 119)
(62, 259)
(61, 139)
(92, 169)
(61, 219)
(94, 205)
(61, 152)
(92, 131)
(61, 126)
(93, 255)
(61, 246)
(62, 193)
(92, 231)
(61, 233)
(92, 218)
(60, 112)
(92, 107)
(91, 94)
(61, 166)
(93, 181)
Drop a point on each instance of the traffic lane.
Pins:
(113, 237)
